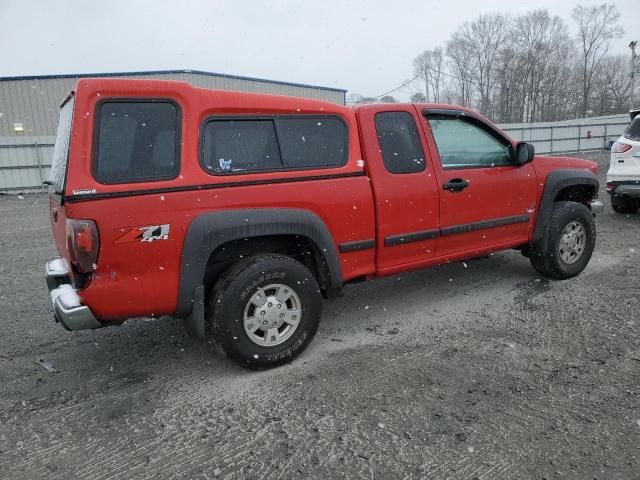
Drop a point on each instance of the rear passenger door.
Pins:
(403, 181)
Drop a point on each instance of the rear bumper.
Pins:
(626, 190)
(67, 306)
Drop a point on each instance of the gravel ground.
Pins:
(484, 370)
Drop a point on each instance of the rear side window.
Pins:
(239, 145)
(312, 142)
(399, 142)
(269, 144)
(136, 141)
(61, 149)
(633, 130)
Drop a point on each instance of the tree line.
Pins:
(526, 68)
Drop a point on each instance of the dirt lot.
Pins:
(483, 370)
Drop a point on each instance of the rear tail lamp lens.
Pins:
(620, 147)
(83, 244)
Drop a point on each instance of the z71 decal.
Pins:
(144, 234)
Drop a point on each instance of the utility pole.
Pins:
(426, 83)
(632, 96)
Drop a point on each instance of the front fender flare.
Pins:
(554, 183)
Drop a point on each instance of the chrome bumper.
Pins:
(597, 207)
(67, 307)
(56, 273)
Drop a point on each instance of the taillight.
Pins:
(83, 244)
(610, 186)
(619, 147)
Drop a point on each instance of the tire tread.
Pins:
(543, 254)
(219, 331)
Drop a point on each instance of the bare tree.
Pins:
(528, 68)
(421, 69)
(473, 52)
(597, 26)
(611, 86)
(535, 60)
(429, 67)
(461, 67)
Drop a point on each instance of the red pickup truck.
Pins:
(239, 212)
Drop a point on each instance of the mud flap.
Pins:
(195, 322)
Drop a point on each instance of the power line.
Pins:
(395, 89)
(398, 87)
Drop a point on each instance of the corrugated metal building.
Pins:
(29, 114)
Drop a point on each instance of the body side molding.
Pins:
(494, 222)
(403, 238)
(357, 245)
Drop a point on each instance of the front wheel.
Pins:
(567, 243)
(265, 310)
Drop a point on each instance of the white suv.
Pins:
(623, 177)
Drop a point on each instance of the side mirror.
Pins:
(524, 153)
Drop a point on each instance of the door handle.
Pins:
(456, 185)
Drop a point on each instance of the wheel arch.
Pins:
(572, 185)
(210, 232)
(299, 247)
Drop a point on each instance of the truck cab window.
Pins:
(399, 142)
(461, 144)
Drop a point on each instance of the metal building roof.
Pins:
(161, 72)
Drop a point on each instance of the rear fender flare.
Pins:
(210, 230)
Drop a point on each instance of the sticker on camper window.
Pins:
(225, 165)
(145, 234)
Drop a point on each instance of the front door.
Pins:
(485, 200)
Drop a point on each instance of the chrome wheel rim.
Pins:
(272, 315)
(573, 242)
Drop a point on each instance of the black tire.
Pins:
(545, 255)
(624, 205)
(232, 294)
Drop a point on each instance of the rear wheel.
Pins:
(624, 205)
(567, 243)
(265, 310)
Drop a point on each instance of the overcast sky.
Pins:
(362, 46)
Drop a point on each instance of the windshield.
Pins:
(633, 130)
(61, 149)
